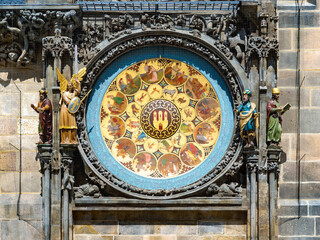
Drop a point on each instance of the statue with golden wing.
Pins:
(69, 105)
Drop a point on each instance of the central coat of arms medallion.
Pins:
(160, 119)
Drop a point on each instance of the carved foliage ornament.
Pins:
(22, 30)
(99, 173)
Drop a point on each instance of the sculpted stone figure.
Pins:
(274, 118)
(248, 119)
(69, 100)
(44, 108)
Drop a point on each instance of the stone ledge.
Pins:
(211, 203)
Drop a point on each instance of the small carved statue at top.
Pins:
(68, 102)
(44, 108)
(248, 119)
(274, 118)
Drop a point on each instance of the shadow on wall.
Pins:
(22, 74)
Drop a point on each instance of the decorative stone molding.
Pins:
(232, 189)
(56, 46)
(99, 173)
(44, 156)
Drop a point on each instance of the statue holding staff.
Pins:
(44, 108)
(69, 104)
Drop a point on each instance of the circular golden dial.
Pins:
(160, 118)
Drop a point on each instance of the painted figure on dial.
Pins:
(274, 118)
(248, 119)
(69, 92)
(44, 108)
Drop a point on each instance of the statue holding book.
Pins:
(274, 118)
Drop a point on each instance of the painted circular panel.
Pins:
(160, 118)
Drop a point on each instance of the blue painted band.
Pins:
(137, 55)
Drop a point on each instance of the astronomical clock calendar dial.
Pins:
(160, 118)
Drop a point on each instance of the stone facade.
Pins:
(299, 182)
(21, 211)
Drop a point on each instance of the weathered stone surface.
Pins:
(9, 182)
(125, 237)
(27, 100)
(318, 226)
(95, 237)
(290, 95)
(97, 227)
(307, 190)
(29, 162)
(176, 228)
(151, 237)
(315, 97)
(286, 39)
(309, 143)
(292, 208)
(289, 123)
(19, 230)
(236, 228)
(8, 125)
(29, 142)
(211, 227)
(314, 207)
(82, 218)
(296, 226)
(288, 60)
(9, 143)
(31, 182)
(289, 152)
(8, 161)
(310, 59)
(287, 78)
(228, 238)
(31, 206)
(290, 20)
(308, 36)
(312, 78)
(307, 171)
(203, 237)
(8, 205)
(29, 126)
(298, 238)
(9, 103)
(134, 228)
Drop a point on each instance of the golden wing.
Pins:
(63, 81)
(78, 75)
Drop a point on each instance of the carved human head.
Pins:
(70, 87)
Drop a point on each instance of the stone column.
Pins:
(67, 154)
(251, 157)
(54, 46)
(45, 155)
(273, 170)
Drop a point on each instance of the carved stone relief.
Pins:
(22, 30)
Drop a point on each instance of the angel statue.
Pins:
(69, 92)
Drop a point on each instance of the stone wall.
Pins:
(300, 222)
(160, 225)
(20, 180)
